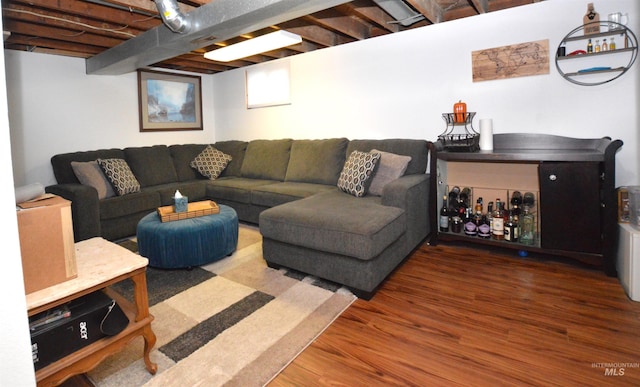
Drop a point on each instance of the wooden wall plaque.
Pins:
(518, 60)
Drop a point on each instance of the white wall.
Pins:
(55, 108)
(398, 85)
(16, 364)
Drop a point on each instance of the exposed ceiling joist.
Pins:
(88, 28)
(213, 22)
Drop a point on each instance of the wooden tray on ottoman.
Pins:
(194, 210)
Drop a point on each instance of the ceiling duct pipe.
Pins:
(172, 16)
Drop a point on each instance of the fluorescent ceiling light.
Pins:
(254, 46)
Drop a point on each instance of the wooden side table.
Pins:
(100, 264)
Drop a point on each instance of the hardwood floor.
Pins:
(459, 316)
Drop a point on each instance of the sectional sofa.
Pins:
(317, 210)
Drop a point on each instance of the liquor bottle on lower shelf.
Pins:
(444, 215)
(470, 228)
(484, 229)
(516, 203)
(511, 230)
(490, 217)
(527, 227)
(498, 222)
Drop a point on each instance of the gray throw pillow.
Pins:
(390, 167)
(357, 171)
(89, 173)
(120, 175)
(210, 162)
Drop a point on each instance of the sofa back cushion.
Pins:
(235, 149)
(61, 163)
(417, 149)
(182, 156)
(316, 161)
(266, 159)
(152, 165)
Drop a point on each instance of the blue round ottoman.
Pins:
(188, 242)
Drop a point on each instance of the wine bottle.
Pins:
(490, 217)
(498, 222)
(511, 230)
(516, 203)
(444, 215)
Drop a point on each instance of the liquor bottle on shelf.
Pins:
(511, 230)
(453, 200)
(527, 224)
(498, 222)
(516, 203)
(484, 229)
(444, 215)
(456, 224)
(465, 195)
(470, 228)
(490, 217)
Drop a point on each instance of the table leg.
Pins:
(142, 306)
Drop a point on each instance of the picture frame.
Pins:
(169, 101)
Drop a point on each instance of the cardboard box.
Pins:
(46, 242)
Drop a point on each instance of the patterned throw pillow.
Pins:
(210, 162)
(357, 171)
(120, 175)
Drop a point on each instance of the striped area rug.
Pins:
(235, 322)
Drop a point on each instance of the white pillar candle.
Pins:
(486, 134)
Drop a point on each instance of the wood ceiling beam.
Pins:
(90, 11)
(367, 11)
(429, 9)
(482, 6)
(61, 34)
(336, 21)
(314, 33)
(66, 21)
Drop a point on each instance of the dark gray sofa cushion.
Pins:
(266, 159)
(61, 163)
(316, 161)
(152, 165)
(237, 189)
(271, 195)
(417, 149)
(335, 222)
(194, 190)
(121, 206)
(182, 156)
(235, 149)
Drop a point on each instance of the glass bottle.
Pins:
(612, 44)
(527, 226)
(444, 215)
(490, 217)
(470, 228)
(511, 230)
(516, 203)
(589, 46)
(605, 47)
(597, 46)
(498, 222)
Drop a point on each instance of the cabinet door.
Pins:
(570, 210)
